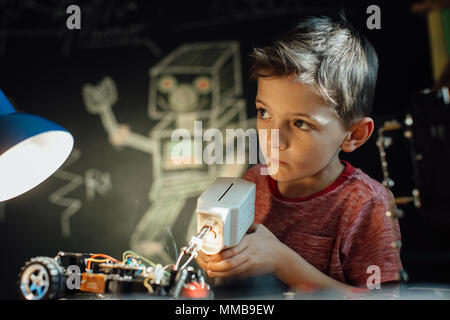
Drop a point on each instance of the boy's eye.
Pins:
(301, 124)
(262, 113)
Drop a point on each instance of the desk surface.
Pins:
(410, 291)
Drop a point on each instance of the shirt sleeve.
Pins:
(368, 244)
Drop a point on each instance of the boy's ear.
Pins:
(358, 134)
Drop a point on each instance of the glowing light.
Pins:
(32, 161)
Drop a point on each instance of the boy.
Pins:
(318, 220)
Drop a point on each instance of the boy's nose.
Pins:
(282, 145)
(280, 139)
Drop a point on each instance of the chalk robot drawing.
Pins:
(194, 82)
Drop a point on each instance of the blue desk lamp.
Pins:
(31, 149)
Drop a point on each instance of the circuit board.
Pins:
(69, 273)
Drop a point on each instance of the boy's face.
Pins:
(310, 133)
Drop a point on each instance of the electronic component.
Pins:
(52, 278)
(228, 206)
(195, 244)
(225, 211)
(92, 282)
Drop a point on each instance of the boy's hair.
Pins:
(332, 56)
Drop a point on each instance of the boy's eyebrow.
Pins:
(294, 114)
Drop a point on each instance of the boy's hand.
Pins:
(256, 254)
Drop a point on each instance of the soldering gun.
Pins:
(225, 211)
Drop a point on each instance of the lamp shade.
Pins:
(31, 149)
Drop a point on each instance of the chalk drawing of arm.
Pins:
(99, 99)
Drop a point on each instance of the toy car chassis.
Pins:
(43, 278)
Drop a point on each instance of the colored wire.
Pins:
(147, 285)
(98, 260)
(131, 254)
(102, 256)
(140, 259)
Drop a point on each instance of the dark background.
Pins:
(43, 67)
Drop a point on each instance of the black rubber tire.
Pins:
(53, 284)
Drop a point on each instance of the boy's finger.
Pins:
(252, 228)
(201, 263)
(230, 252)
(228, 264)
(202, 260)
(239, 270)
(203, 255)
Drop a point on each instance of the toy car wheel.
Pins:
(41, 278)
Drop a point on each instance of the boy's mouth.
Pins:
(272, 160)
